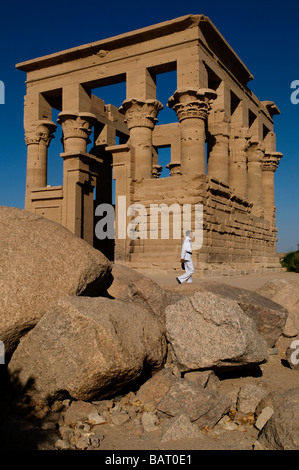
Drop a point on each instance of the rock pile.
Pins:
(177, 411)
(93, 345)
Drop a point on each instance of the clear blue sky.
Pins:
(264, 35)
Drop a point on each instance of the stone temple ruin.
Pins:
(223, 151)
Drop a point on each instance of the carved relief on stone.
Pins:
(191, 103)
(139, 113)
(43, 131)
(76, 124)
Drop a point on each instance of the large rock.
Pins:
(282, 431)
(249, 397)
(209, 331)
(269, 317)
(88, 348)
(181, 428)
(80, 411)
(201, 406)
(154, 389)
(286, 293)
(40, 261)
(129, 285)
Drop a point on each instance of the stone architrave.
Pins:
(238, 145)
(218, 151)
(38, 140)
(270, 163)
(192, 108)
(141, 117)
(255, 155)
(76, 129)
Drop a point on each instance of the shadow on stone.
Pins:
(251, 370)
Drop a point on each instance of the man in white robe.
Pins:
(186, 258)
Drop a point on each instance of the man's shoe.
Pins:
(179, 282)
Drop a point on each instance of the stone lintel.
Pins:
(209, 34)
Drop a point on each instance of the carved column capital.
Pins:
(156, 171)
(141, 113)
(256, 151)
(191, 103)
(270, 161)
(174, 168)
(43, 131)
(219, 129)
(239, 139)
(76, 125)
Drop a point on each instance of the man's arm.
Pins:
(183, 252)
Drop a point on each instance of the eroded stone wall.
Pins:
(234, 239)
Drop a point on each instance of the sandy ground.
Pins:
(250, 281)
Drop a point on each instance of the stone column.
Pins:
(218, 151)
(76, 128)
(141, 117)
(78, 176)
(255, 155)
(270, 163)
(38, 140)
(238, 145)
(192, 107)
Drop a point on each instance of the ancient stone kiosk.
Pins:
(223, 153)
